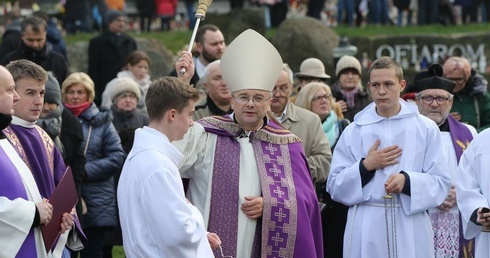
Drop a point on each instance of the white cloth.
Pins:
(421, 159)
(200, 67)
(156, 219)
(473, 189)
(445, 224)
(198, 148)
(16, 216)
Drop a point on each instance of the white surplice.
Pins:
(156, 219)
(473, 189)
(420, 141)
(446, 223)
(198, 145)
(16, 216)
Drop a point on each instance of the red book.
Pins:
(63, 199)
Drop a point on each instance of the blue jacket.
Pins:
(105, 158)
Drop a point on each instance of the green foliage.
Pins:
(178, 40)
(118, 252)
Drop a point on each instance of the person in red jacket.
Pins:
(166, 11)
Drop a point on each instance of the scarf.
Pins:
(77, 109)
(52, 122)
(330, 128)
(52, 125)
(350, 96)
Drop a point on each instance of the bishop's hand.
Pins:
(253, 206)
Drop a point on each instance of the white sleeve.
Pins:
(16, 217)
(471, 178)
(177, 223)
(192, 147)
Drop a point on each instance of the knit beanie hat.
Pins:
(111, 15)
(348, 62)
(121, 85)
(53, 91)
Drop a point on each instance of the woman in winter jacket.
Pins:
(104, 158)
(137, 68)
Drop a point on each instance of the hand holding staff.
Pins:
(202, 8)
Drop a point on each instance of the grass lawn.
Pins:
(175, 40)
(118, 252)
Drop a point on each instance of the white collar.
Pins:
(19, 121)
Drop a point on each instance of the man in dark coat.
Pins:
(34, 48)
(107, 52)
(11, 37)
(146, 10)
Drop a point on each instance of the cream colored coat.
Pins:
(308, 127)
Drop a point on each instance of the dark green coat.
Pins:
(473, 95)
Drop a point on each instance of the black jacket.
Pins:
(11, 38)
(46, 58)
(72, 137)
(107, 55)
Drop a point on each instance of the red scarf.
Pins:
(78, 109)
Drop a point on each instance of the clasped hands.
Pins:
(381, 158)
(45, 210)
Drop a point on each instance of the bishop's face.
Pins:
(250, 107)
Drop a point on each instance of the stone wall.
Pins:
(414, 52)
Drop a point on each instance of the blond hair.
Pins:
(75, 78)
(304, 97)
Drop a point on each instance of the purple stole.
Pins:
(461, 138)
(38, 151)
(290, 211)
(12, 187)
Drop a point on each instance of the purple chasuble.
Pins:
(38, 151)
(461, 137)
(291, 225)
(12, 187)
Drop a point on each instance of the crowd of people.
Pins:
(169, 15)
(239, 155)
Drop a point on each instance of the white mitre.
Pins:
(250, 62)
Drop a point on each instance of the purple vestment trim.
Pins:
(37, 150)
(279, 218)
(461, 137)
(223, 216)
(12, 187)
